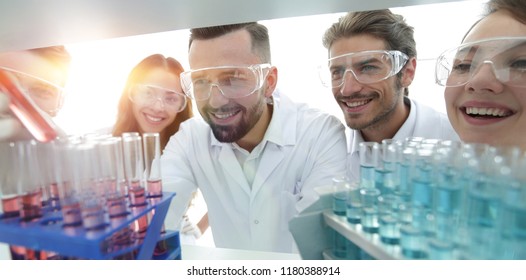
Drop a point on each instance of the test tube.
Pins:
(55, 170)
(9, 191)
(368, 161)
(422, 181)
(88, 180)
(340, 190)
(448, 193)
(8, 181)
(30, 186)
(111, 158)
(341, 246)
(112, 172)
(29, 189)
(484, 203)
(389, 157)
(354, 204)
(70, 191)
(512, 224)
(413, 242)
(152, 173)
(380, 172)
(389, 226)
(152, 160)
(405, 171)
(369, 217)
(133, 170)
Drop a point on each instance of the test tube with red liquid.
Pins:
(9, 191)
(152, 173)
(111, 161)
(133, 170)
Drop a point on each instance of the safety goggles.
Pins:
(48, 96)
(366, 67)
(231, 81)
(506, 57)
(148, 94)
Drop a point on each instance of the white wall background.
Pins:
(100, 68)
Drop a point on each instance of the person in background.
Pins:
(153, 101)
(42, 73)
(485, 83)
(372, 62)
(255, 155)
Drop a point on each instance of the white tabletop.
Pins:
(194, 252)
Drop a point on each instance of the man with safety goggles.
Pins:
(255, 155)
(41, 73)
(372, 62)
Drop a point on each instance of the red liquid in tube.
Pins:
(42, 128)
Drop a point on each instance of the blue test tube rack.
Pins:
(48, 234)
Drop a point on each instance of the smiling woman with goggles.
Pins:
(149, 94)
(505, 55)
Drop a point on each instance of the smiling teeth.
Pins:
(356, 103)
(496, 112)
(153, 119)
(224, 116)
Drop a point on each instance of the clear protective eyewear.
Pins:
(148, 94)
(367, 67)
(48, 96)
(505, 55)
(232, 81)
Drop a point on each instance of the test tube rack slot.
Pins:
(368, 242)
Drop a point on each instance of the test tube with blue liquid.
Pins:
(389, 225)
(483, 206)
(405, 160)
(512, 224)
(340, 190)
(354, 204)
(390, 150)
(369, 217)
(413, 239)
(422, 181)
(448, 193)
(368, 161)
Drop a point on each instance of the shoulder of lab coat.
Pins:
(431, 123)
(328, 147)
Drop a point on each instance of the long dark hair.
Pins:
(126, 121)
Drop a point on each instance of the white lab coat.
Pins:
(423, 121)
(303, 149)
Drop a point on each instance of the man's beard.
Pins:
(234, 132)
